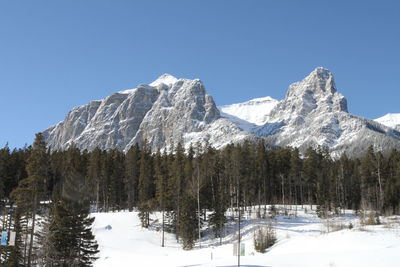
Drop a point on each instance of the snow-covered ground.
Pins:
(303, 240)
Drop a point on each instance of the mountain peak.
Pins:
(166, 79)
(321, 72)
(316, 93)
(320, 82)
(323, 77)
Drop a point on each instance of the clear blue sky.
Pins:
(55, 55)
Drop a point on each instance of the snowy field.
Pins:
(303, 240)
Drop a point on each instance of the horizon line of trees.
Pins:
(183, 185)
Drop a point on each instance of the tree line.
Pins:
(189, 187)
(43, 202)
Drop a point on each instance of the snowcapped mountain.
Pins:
(163, 113)
(391, 120)
(171, 110)
(314, 114)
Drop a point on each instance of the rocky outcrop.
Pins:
(108, 123)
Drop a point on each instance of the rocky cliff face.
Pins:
(169, 111)
(314, 95)
(163, 113)
(182, 108)
(309, 115)
(108, 123)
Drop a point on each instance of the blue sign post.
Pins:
(4, 237)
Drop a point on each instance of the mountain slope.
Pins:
(108, 123)
(163, 113)
(255, 111)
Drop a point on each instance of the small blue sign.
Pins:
(4, 237)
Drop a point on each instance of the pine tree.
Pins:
(260, 164)
(295, 176)
(213, 167)
(117, 176)
(310, 171)
(4, 169)
(57, 166)
(369, 176)
(106, 176)
(74, 186)
(161, 175)
(146, 187)
(188, 221)
(44, 249)
(33, 188)
(324, 182)
(194, 181)
(95, 176)
(69, 238)
(132, 175)
(283, 168)
(88, 246)
(176, 184)
(392, 186)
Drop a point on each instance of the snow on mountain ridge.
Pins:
(391, 120)
(260, 99)
(166, 79)
(255, 111)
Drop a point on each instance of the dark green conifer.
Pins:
(146, 187)
(188, 230)
(132, 166)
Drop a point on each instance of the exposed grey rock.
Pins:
(163, 113)
(171, 110)
(314, 114)
(181, 109)
(109, 123)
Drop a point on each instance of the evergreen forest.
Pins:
(47, 197)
